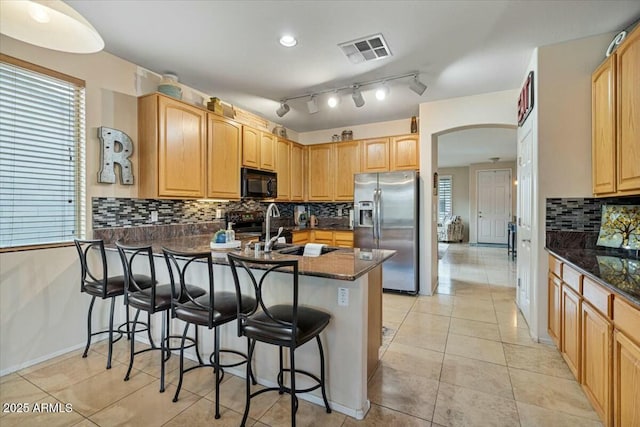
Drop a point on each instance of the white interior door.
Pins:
(525, 219)
(494, 205)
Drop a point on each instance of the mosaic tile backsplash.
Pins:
(577, 214)
(120, 212)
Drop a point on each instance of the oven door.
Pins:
(259, 184)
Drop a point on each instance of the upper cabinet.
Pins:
(346, 164)
(173, 148)
(258, 149)
(375, 155)
(267, 151)
(616, 121)
(224, 151)
(405, 152)
(296, 187)
(320, 172)
(283, 168)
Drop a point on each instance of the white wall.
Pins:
(460, 196)
(473, 192)
(438, 117)
(370, 130)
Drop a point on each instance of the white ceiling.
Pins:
(230, 49)
(476, 145)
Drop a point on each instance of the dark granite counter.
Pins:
(341, 264)
(616, 271)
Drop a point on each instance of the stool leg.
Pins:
(292, 366)
(167, 345)
(163, 334)
(197, 350)
(132, 351)
(128, 324)
(153, 345)
(184, 338)
(113, 306)
(250, 347)
(216, 361)
(280, 372)
(322, 387)
(253, 378)
(86, 349)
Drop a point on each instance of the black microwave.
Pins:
(257, 184)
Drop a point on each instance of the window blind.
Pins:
(445, 197)
(41, 159)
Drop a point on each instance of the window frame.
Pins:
(80, 151)
(441, 178)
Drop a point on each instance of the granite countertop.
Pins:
(341, 264)
(619, 273)
(337, 227)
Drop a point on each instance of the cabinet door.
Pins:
(597, 334)
(554, 308)
(628, 114)
(570, 329)
(300, 237)
(250, 147)
(182, 149)
(224, 152)
(323, 236)
(267, 151)
(320, 178)
(603, 128)
(283, 168)
(405, 152)
(626, 381)
(343, 239)
(346, 165)
(375, 155)
(296, 175)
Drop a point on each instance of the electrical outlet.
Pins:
(154, 216)
(339, 211)
(343, 297)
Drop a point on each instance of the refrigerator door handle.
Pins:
(374, 213)
(378, 215)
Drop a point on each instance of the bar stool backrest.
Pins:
(130, 283)
(181, 293)
(87, 274)
(289, 267)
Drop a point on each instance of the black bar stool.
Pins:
(212, 310)
(153, 299)
(284, 325)
(96, 282)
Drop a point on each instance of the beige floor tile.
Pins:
(46, 412)
(421, 337)
(145, 407)
(398, 301)
(69, 371)
(52, 361)
(481, 294)
(513, 335)
(474, 328)
(459, 406)
(475, 313)
(432, 306)
(505, 306)
(379, 416)
(535, 416)
(393, 314)
(475, 348)
(477, 375)
(423, 362)
(308, 414)
(200, 381)
(462, 301)
(541, 359)
(202, 413)
(120, 352)
(553, 393)
(97, 392)
(232, 395)
(511, 319)
(429, 321)
(85, 423)
(404, 392)
(18, 389)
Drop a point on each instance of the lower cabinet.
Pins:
(341, 239)
(555, 311)
(597, 334)
(626, 380)
(321, 236)
(570, 333)
(300, 237)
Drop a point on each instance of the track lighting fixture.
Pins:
(358, 99)
(312, 105)
(417, 86)
(333, 100)
(382, 92)
(284, 109)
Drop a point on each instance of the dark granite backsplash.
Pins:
(156, 232)
(578, 214)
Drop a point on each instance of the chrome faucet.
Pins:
(272, 210)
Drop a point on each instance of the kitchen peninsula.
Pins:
(347, 283)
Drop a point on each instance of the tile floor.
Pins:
(462, 357)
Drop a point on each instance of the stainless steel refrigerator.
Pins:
(386, 217)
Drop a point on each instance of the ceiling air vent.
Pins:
(366, 49)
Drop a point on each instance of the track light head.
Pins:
(284, 109)
(312, 105)
(358, 99)
(417, 86)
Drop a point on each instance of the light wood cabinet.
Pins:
(296, 172)
(626, 381)
(616, 121)
(267, 151)
(570, 332)
(173, 148)
(554, 309)
(300, 237)
(347, 163)
(223, 153)
(321, 236)
(343, 239)
(283, 169)
(250, 147)
(375, 155)
(320, 176)
(597, 333)
(405, 152)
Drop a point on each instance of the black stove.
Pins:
(252, 223)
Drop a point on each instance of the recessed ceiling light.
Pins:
(288, 40)
(333, 100)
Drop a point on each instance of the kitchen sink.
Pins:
(299, 250)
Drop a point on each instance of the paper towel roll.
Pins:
(313, 249)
